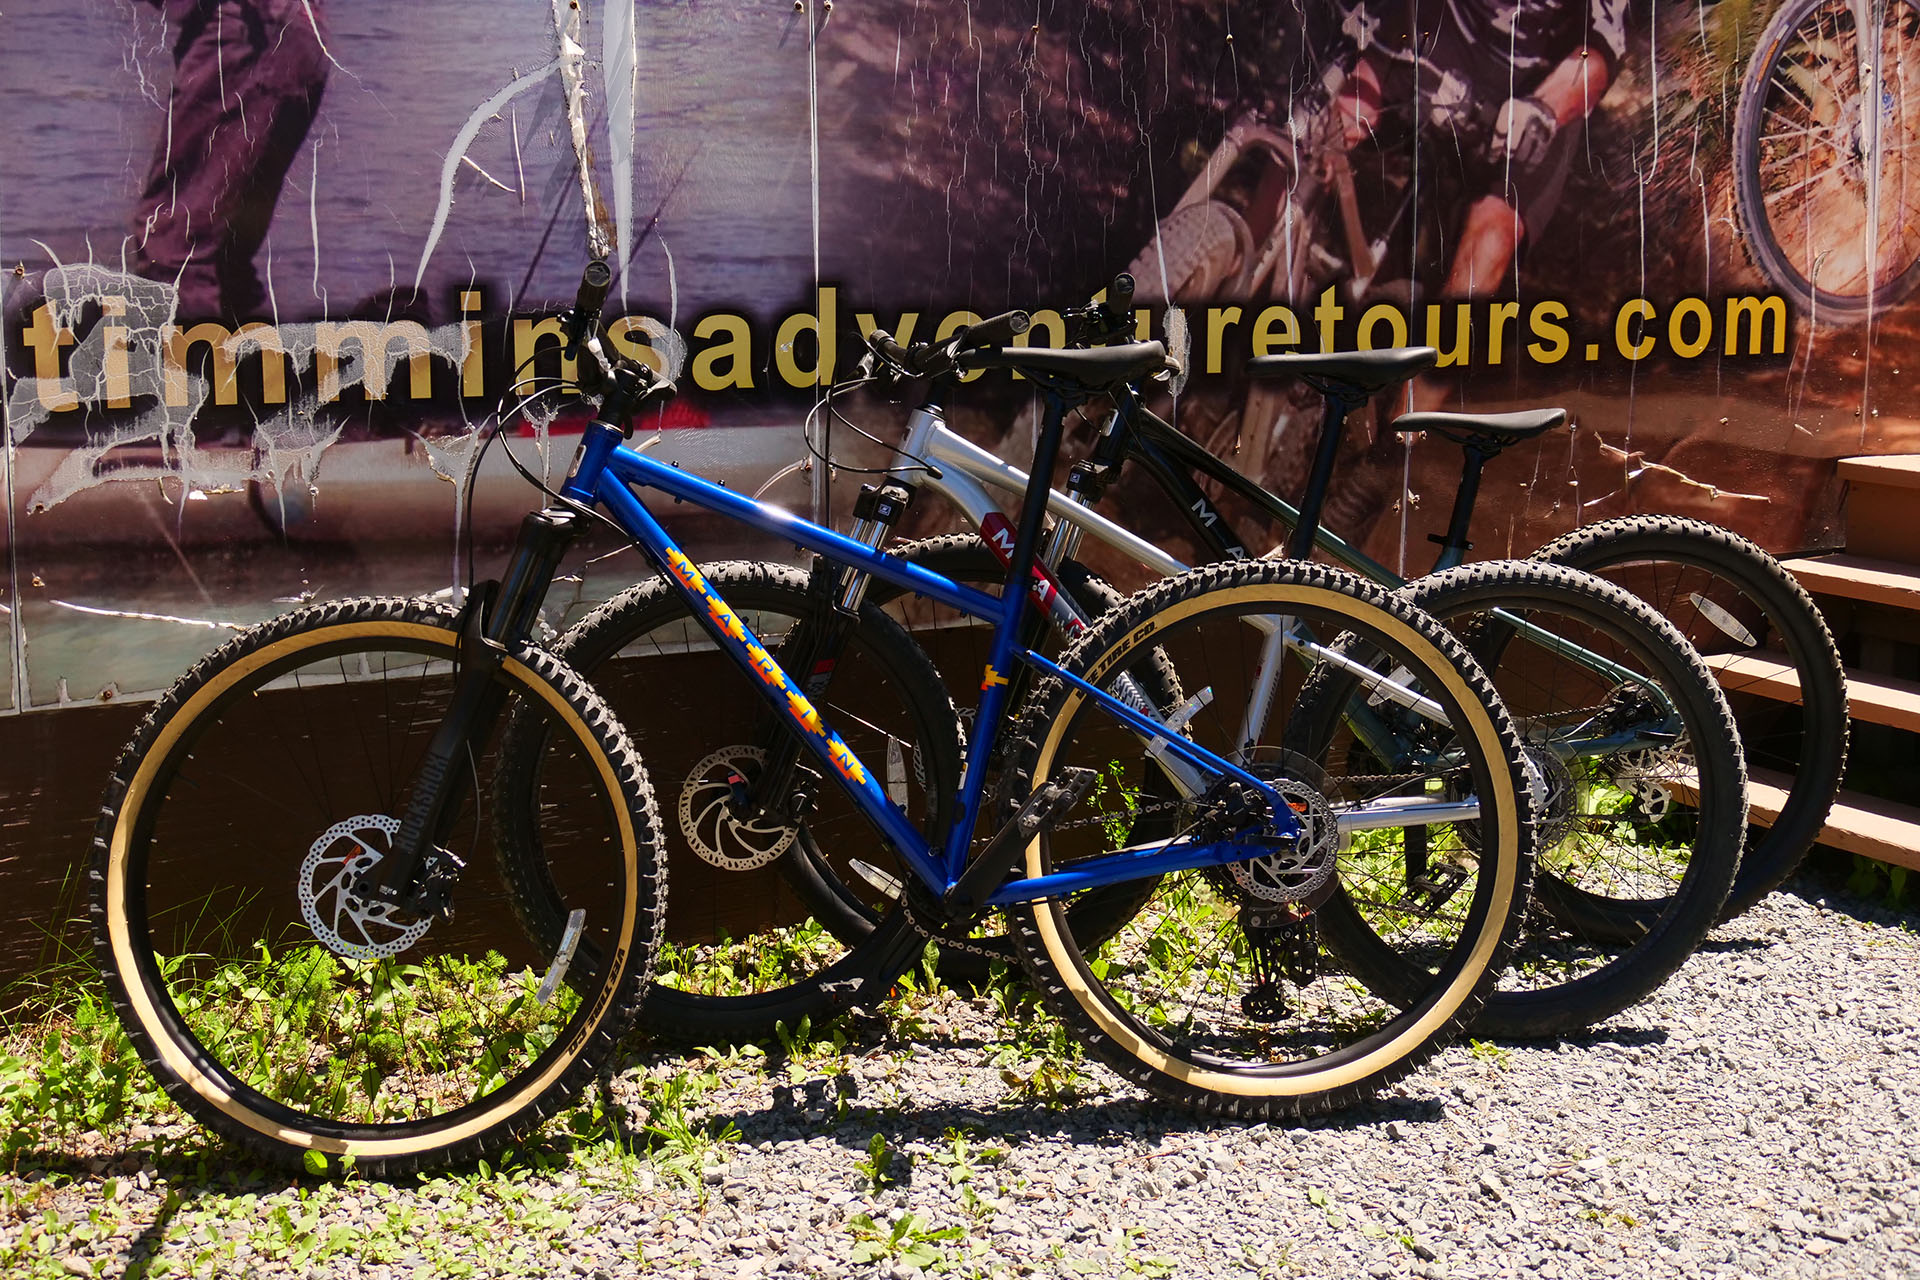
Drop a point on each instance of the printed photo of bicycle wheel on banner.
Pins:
(685, 610)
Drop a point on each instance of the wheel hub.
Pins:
(1553, 795)
(1644, 775)
(710, 817)
(1298, 874)
(347, 924)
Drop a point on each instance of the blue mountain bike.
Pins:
(333, 931)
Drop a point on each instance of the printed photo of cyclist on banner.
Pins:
(265, 293)
(1576, 202)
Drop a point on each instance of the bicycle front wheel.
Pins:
(1825, 181)
(1220, 994)
(775, 923)
(293, 1016)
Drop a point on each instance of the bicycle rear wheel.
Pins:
(281, 1010)
(1645, 788)
(1220, 994)
(1758, 629)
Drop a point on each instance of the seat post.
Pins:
(1339, 403)
(1454, 549)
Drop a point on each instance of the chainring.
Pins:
(708, 821)
(340, 856)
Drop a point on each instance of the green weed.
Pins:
(1496, 1055)
(877, 1165)
(910, 1240)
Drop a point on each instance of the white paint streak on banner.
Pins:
(573, 65)
(620, 68)
(461, 141)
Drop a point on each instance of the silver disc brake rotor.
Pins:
(1296, 875)
(1647, 775)
(1553, 795)
(707, 819)
(351, 926)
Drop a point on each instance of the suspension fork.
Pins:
(496, 618)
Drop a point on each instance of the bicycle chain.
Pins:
(937, 932)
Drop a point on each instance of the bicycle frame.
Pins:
(965, 470)
(607, 472)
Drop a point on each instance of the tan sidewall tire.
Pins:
(184, 1067)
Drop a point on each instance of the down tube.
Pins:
(731, 634)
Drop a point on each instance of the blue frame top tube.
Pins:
(606, 472)
(629, 467)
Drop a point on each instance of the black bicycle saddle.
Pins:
(1363, 371)
(1092, 368)
(1486, 430)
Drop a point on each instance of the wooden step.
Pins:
(1888, 582)
(1880, 501)
(1893, 471)
(1874, 698)
(1860, 824)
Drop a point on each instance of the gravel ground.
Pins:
(1756, 1118)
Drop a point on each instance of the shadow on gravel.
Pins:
(1628, 1037)
(1830, 892)
(191, 1173)
(1099, 1121)
(1733, 946)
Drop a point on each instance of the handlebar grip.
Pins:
(996, 332)
(882, 342)
(1120, 293)
(588, 301)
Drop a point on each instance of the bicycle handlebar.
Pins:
(592, 295)
(996, 332)
(628, 384)
(937, 359)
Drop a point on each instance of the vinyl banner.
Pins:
(275, 270)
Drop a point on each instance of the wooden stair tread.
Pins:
(1889, 582)
(1883, 829)
(1874, 698)
(1894, 471)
